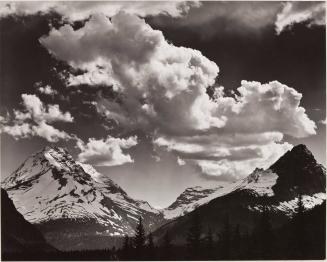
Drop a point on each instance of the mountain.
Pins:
(189, 200)
(75, 207)
(275, 188)
(18, 235)
(298, 169)
(72, 201)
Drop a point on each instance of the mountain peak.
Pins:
(52, 148)
(301, 149)
(51, 186)
(298, 170)
(298, 156)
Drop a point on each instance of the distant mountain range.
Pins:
(75, 207)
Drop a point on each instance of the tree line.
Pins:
(302, 237)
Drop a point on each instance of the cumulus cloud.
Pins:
(161, 83)
(106, 152)
(47, 90)
(36, 110)
(266, 108)
(297, 12)
(80, 10)
(34, 120)
(162, 90)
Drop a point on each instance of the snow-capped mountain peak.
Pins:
(51, 186)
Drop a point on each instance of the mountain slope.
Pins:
(276, 188)
(18, 235)
(190, 199)
(259, 183)
(66, 198)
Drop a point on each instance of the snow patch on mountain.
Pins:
(260, 182)
(309, 202)
(91, 171)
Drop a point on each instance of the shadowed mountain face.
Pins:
(18, 235)
(298, 170)
(276, 188)
(73, 205)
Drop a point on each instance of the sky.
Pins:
(161, 96)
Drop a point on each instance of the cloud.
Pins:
(74, 11)
(217, 157)
(47, 90)
(22, 130)
(313, 13)
(36, 110)
(224, 17)
(266, 108)
(106, 152)
(235, 169)
(34, 120)
(161, 83)
(161, 90)
(48, 132)
(180, 161)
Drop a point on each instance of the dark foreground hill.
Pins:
(302, 237)
(18, 235)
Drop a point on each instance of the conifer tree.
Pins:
(150, 247)
(139, 239)
(126, 242)
(263, 234)
(126, 247)
(236, 241)
(150, 241)
(167, 241)
(194, 236)
(300, 237)
(167, 246)
(209, 245)
(225, 239)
